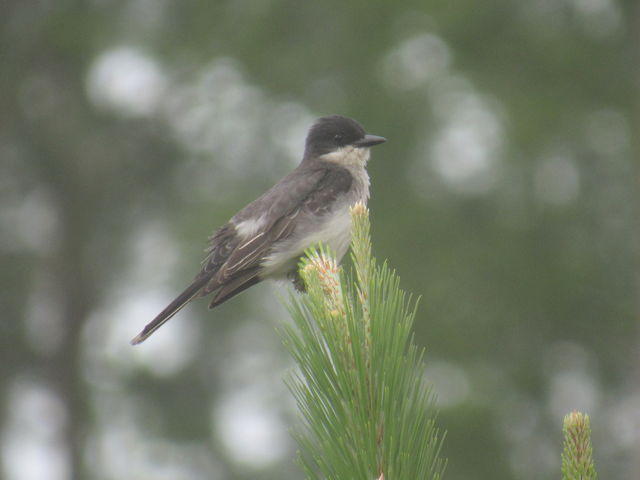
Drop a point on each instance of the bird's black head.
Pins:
(331, 133)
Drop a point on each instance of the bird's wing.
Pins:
(310, 193)
(233, 261)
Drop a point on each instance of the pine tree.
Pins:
(367, 411)
(577, 457)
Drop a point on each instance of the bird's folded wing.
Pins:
(311, 193)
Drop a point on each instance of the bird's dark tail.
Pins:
(174, 307)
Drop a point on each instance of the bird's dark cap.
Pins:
(334, 131)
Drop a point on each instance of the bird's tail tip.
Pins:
(138, 339)
(170, 310)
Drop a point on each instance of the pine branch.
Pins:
(367, 412)
(577, 457)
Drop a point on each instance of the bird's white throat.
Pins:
(348, 156)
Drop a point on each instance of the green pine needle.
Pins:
(367, 411)
(577, 457)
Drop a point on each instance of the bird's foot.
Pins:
(298, 281)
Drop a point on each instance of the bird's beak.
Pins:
(369, 141)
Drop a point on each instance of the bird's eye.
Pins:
(338, 137)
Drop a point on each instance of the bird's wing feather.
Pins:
(239, 283)
(233, 262)
(312, 192)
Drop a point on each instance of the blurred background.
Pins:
(507, 197)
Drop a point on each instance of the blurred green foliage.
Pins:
(507, 197)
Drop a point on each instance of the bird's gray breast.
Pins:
(332, 229)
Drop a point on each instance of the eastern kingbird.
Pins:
(309, 206)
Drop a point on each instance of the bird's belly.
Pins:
(334, 231)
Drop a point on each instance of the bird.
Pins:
(267, 238)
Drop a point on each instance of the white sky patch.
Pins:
(166, 353)
(120, 449)
(154, 252)
(465, 148)
(450, 383)
(225, 124)
(521, 421)
(572, 379)
(623, 419)
(288, 127)
(415, 61)
(33, 446)
(222, 119)
(248, 417)
(572, 390)
(462, 157)
(217, 112)
(252, 433)
(251, 354)
(153, 257)
(126, 80)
